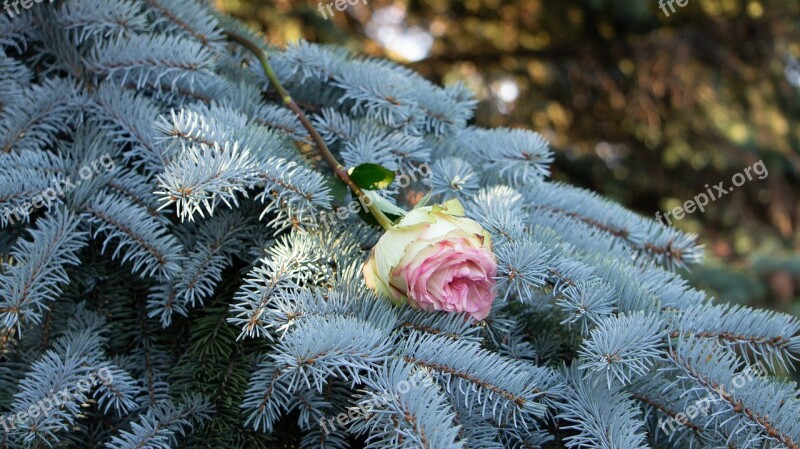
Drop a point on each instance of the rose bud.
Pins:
(435, 259)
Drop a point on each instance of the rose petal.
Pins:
(435, 259)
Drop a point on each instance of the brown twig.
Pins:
(319, 142)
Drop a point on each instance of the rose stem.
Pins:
(337, 168)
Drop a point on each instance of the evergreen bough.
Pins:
(195, 272)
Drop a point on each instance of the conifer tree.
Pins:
(168, 280)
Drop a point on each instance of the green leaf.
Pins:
(384, 205)
(338, 188)
(371, 176)
(393, 212)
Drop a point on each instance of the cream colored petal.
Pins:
(463, 223)
(453, 207)
(374, 281)
(441, 226)
(392, 246)
(487, 240)
(413, 218)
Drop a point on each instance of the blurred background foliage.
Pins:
(642, 106)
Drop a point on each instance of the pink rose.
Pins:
(435, 259)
